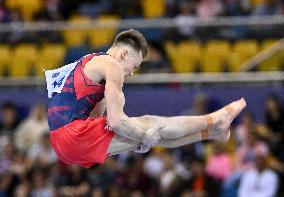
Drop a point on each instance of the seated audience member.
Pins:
(31, 129)
(243, 129)
(274, 120)
(42, 153)
(8, 124)
(219, 164)
(260, 180)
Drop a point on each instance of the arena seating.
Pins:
(185, 56)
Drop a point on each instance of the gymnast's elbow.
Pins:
(116, 123)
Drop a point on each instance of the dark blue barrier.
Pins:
(162, 100)
(168, 101)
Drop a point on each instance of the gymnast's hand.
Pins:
(152, 136)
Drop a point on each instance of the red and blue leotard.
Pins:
(76, 137)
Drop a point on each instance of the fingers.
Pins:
(152, 136)
(156, 129)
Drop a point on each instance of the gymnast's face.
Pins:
(130, 60)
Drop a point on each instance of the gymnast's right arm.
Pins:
(118, 120)
(122, 125)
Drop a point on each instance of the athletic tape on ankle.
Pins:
(209, 121)
(204, 134)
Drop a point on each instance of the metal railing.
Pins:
(144, 23)
(164, 78)
(262, 56)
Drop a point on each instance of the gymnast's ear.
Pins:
(123, 53)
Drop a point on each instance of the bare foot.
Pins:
(221, 120)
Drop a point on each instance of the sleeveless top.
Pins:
(77, 98)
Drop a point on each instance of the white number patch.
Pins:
(56, 78)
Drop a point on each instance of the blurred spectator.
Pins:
(23, 188)
(219, 164)
(136, 193)
(274, 116)
(136, 179)
(40, 186)
(173, 175)
(42, 152)
(52, 9)
(245, 157)
(49, 12)
(153, 164)
(267, 7)
(8, 124)
(235, 8)
(200, 106)
(156, 62)
(95, 8)
(114, 191)
(17, 34)
(185, 16)
(4, 12)
(199, 183)
(9, 154)
(209, 8)
(274, 119)
(31, 129)
(69, 8)
(20, 164)
(75, 182)
(169, 174)
(246, 126)
(9, 119)
(13, 170)
(190, 153)
(247, 152)
(206, 9)
(8, 183)
(97, 192)
(172, 7)
(259, 181)
(107, 177)
(126, 9)
(246, 5)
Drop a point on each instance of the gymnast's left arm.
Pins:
(99, 109)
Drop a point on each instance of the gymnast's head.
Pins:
(129, 49)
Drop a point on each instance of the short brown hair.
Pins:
(134, 39)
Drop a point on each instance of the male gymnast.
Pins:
(80, 92)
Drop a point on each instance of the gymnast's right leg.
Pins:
(120, 144)
(179, 131)
(214, 125)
